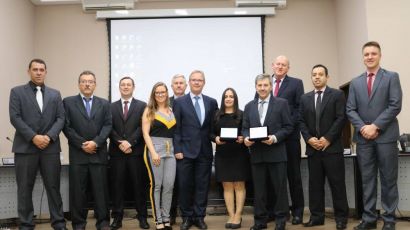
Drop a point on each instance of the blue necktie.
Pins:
(87, 106)
(198, 109)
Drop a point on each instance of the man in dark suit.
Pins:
(37, 114)
(178, 85)
(194, 113)
(87, 126)
(268, 157)
(322, 117)
(291, 89)
(126, 155)
(375, 100)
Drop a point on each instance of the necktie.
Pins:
(198, 109)
(277, 85)
(369, 83)
(260, 110)
(125, 109)
(87, 106)
(318, 107)
(39, 98)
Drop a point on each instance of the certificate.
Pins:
(228, 134)
(258, 133)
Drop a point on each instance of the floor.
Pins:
(217, 222)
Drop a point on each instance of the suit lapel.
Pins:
(376, 83)
(311, 100)
(95, 106)
(325, 99)
(81, 107)
(118, 108)
(270, 105)
(46, 97)
(255, 110)
(30, 93)
(282, 88)
(133, 104)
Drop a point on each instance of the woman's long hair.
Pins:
(152, 106)
(236, 111)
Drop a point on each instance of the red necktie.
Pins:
(125, 109)
(277, 85)
(369, 83)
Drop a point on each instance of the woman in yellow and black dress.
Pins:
(158, 125)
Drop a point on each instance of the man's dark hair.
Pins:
(37, 60)
(320, 65)
(127, 77)
(372, 43)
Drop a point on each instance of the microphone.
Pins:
(9, 139)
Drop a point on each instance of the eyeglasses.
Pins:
(90, 82)
(197, 80)
(161, 93)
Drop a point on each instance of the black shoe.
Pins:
(200, 223)
(340, 225)
(280, 226)
(186, 224)
(172, 220)
(297, 220)
(366, 225)
(312, 223)
(228, 225)
(143, 223)
(116, 223)
(236, 226)
(258, 227)
(389, 226)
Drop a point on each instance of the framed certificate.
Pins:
(228, 134)
(258, 133)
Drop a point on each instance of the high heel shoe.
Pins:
(167, 226)
(236, 226)
(228, 225)
(159, 226)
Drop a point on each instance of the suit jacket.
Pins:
(279, 124)
(190, 135)
(171, 101)
(291, 90)
(381, 108)
(80, 128)
(28, 120)
(332, 119)
(128, 129)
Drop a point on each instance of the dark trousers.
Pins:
(331, 166)
(27, 165)
(294, 179)
(81, 175)
(383, 158)
(276, 171)
(194, 176)
(128, 172)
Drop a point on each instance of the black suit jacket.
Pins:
(28, 120)
(80, 128)
(332, 119)
(279, 124)
(128, 129)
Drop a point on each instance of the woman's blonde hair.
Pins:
(152, 106)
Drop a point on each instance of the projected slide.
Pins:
(227, 49)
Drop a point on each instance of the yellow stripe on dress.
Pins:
(163, 120)
(151, 189)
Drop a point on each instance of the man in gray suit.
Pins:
(87, 126)
(375, 100)
(37, 114)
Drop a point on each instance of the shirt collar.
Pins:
(193, 95)
(266, 99)
(322, 89)
(123, 100)
(91, 98)
(374, 73)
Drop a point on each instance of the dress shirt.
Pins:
(201, 104)
(321, 95)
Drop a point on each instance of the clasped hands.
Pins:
(319, 144)
(41, 141)
(89, 147)
(370, 132)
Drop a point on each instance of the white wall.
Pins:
(17, 49)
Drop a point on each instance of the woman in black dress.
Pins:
(232, 165)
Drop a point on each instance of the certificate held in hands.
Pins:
(258, 133)
(228, 134)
